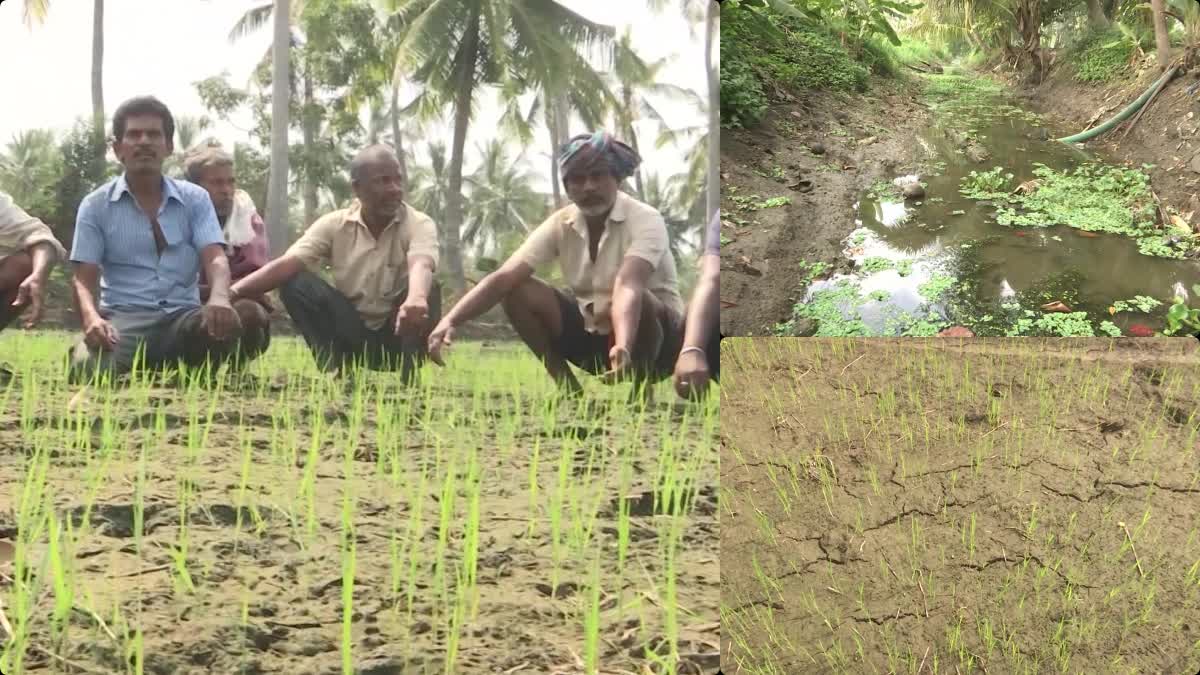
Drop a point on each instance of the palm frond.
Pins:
(35, 12)
(252, 21)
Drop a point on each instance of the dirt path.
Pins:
(862, 138)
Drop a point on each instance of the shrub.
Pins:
(1101, 56)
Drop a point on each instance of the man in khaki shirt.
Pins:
(382, 254)
(623, 315)
(28, 250)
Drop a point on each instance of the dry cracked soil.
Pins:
(939, 505)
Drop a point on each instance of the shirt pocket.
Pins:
(389, 277)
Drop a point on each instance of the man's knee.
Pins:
(529, 296)
(14, 269)
(252, 314)
(302, 284)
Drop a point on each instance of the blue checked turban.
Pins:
(584, 150)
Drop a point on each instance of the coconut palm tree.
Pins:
(681, 222)
(35, 13)
(712, 137)
(502, 198)
(634, 81)
(697, 141)
(277, 197)
(29, 167)
(454, 46)
(429, 185)
(188, 129)
(250, 22)
(574, 86)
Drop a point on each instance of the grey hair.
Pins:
(205, 158)
(369, 155)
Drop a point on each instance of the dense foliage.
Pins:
(770, 46)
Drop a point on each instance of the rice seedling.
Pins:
(475, 517)
(1028, 505)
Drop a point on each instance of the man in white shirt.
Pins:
(28, 250)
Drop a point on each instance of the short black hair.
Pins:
(143, 105)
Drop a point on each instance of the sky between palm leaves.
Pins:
(160, 48)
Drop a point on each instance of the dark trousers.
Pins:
(713, 353)
(337, 335)
(7, 311)
(166, 339)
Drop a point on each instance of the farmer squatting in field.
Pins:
(622, 313)
(383, 254)
(246, 243)
(188, 283)
(28, 250)
(143, 238)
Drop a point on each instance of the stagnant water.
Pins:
(948, 234)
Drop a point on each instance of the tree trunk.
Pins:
(714, 112)
(631, 136)
(555, 143)
(308, 127)
(397, 141)
(462, 117)
(98, 74)
(1096, 17)
(557, 121)
(1160, 34)
(1029, 27)
(277, 196)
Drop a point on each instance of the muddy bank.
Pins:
(1167, 136)
(817, 153)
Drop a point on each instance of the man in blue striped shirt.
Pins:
(142, 237)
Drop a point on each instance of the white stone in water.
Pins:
(902, 181)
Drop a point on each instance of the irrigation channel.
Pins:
(1006, 221)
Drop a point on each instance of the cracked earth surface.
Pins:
(960, 506)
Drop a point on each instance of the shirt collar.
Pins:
(617, 214)
(170, 190)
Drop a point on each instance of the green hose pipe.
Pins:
(1123, 115)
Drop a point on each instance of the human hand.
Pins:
(440, 339)
(691, 374)
(219, 319)
(30, 294)
(412, 316)
(100, 334)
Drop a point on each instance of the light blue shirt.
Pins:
(112, 231)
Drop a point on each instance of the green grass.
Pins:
(397, 494)
(1102, 56)
(792, 56)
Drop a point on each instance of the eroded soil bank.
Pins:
(817, 152)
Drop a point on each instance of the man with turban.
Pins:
(621, 313)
